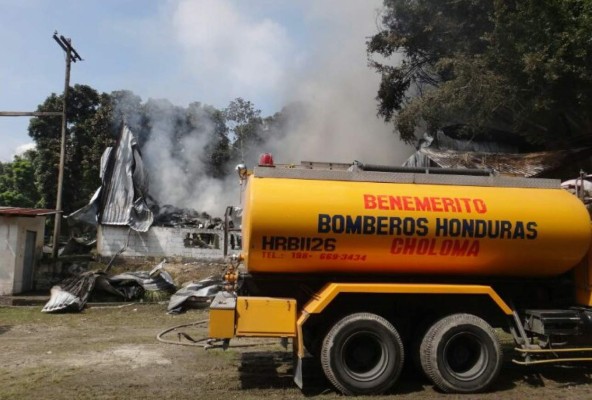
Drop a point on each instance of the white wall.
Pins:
(157, 242)
(8, 253)
(13, 234)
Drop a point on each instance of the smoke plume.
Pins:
(338, 92)
(174, 156)
(233, 50)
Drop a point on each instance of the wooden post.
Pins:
(58, 217)
(71, 56)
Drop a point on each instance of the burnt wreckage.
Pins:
(123, 200)
(72, 294)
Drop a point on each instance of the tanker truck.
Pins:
(366, 268)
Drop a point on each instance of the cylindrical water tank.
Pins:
(354, 227)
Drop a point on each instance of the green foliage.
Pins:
(217, 148)
(16, 181)
(46, 134)
(87, 134)
(244, 122)
(544, 48)
(523, 66)
(155, 296)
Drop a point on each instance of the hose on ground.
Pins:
(192, 341)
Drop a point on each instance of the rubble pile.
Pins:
(195, 294)
(72, 294)
(172, 216)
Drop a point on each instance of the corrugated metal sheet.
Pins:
(124, 186)
(25, 212)
(526, 165)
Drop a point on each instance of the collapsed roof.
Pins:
(124, 186)
(124, 200)
(445, 152)
(528, 165)
(121, 198)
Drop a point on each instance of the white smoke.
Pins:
(228, 52)
(246, 49)
(339, 92)
(176, 168)
(233, 51)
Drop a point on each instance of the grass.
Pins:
(156, 296)
(102, 315)
(19, 315)
(36, 348)
(36, 353)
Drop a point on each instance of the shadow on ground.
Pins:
(539, 376)
(266, 369)
(261, 370)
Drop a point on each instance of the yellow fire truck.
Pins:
(365, 267)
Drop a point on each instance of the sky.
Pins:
(271, 52)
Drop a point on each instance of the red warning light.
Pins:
(266, 160)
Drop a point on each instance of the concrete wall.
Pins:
(160, 242)
(13, 234)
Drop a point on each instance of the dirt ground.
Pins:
(112, 353)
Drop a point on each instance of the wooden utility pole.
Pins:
(71, 56)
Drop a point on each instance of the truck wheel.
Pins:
(362, 354)
(461, 354)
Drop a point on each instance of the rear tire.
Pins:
(362, 354)
(461, 354)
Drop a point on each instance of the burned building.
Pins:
(131, 223)
(160, 241)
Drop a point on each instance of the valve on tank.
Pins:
(230, 277)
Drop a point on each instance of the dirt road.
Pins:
(112, 353)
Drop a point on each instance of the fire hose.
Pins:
(204, 342)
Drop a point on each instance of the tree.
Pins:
(244, 121)
(211, 123)
(16, 181)
(87, 134)
(45, 132)
(97, 132)
(544, 49)
(523, 66)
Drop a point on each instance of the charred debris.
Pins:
(73, 294)
(124, 200)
